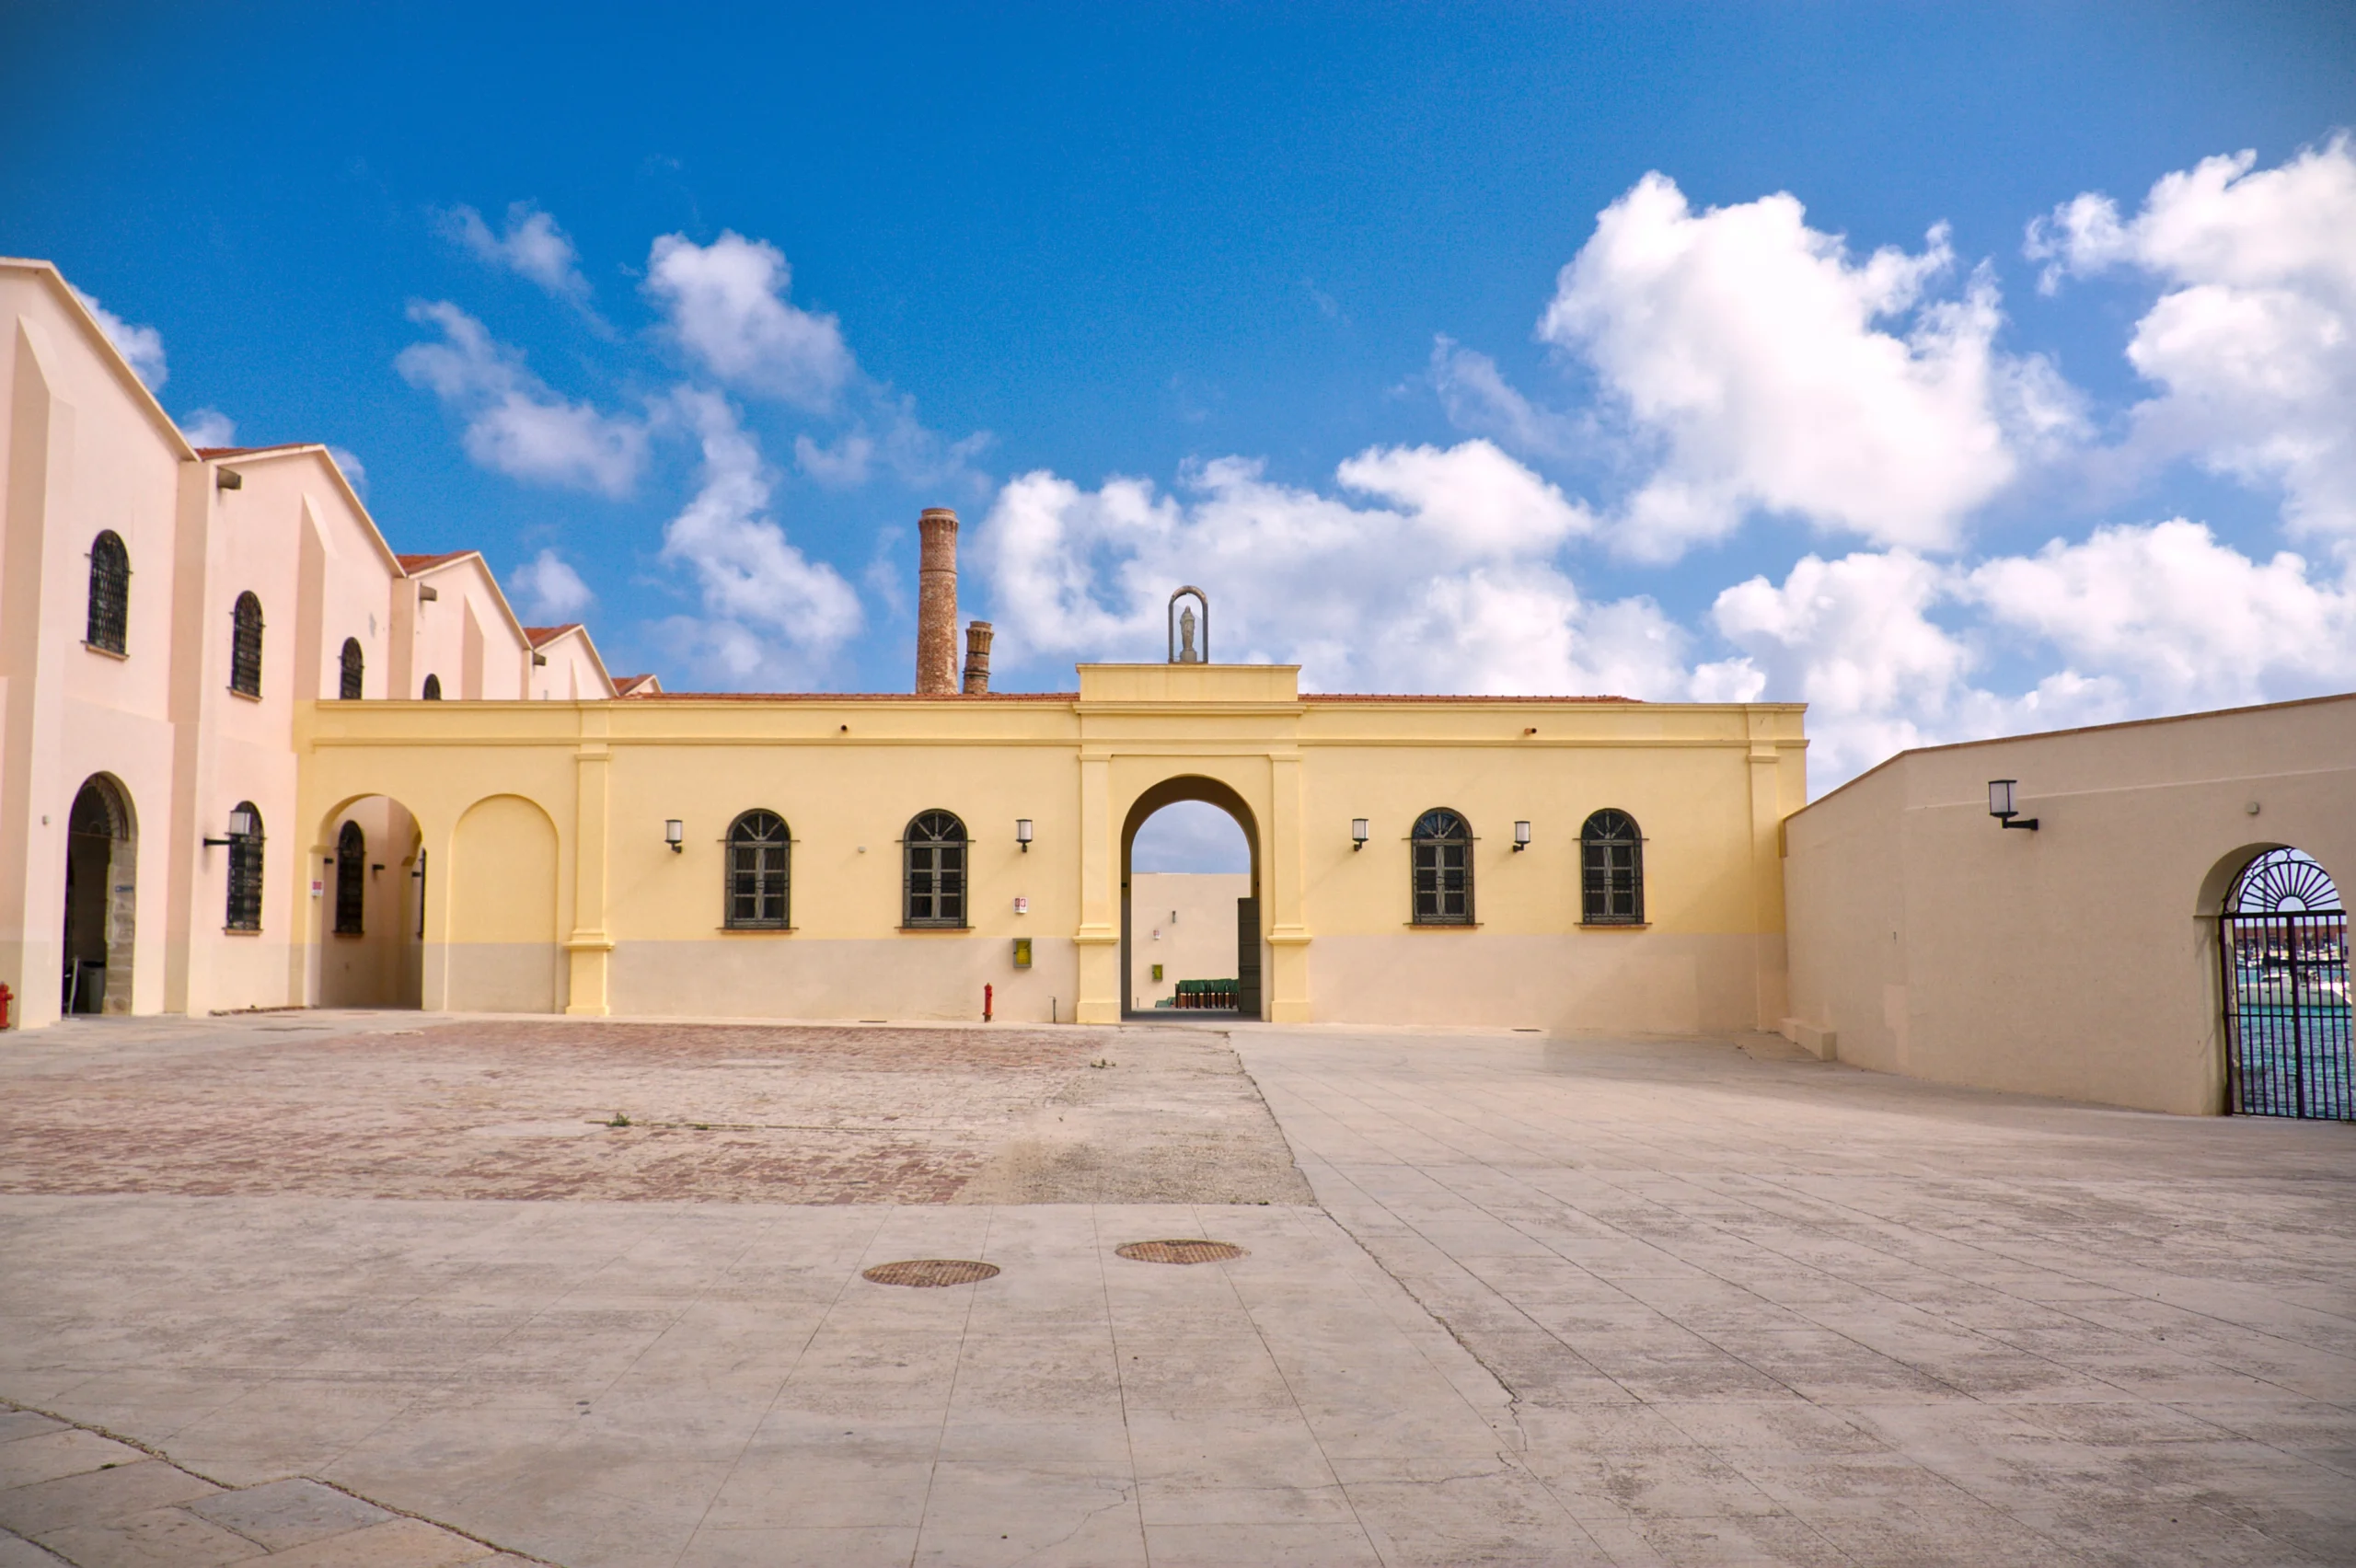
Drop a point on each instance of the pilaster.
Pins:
(1099, 935)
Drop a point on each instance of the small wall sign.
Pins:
(1022, 906)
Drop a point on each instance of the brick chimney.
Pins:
(937, 603)
(977, 658)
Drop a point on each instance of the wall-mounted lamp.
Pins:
(1022, 832)
(674, 834)
(2001, 806)
(241, 825)
(1358, 833)
(1521, 836)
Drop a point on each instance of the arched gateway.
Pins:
(2283, 943)
(1248, 999)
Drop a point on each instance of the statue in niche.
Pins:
(1190, 635)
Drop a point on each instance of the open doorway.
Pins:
(101, 898)
(372, 906)
(1190, 905)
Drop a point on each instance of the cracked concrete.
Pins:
(1554, 1301)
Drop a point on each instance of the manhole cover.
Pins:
(931, 1271)
(1179, 1251)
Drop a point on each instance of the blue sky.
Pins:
(1679, 351)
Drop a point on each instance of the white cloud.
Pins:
(2144, 619)
(1447, 588)
(1766, 368)
(356, 472)
(142, 347)
(2178, 619)
(515, 423)
(209, 427)
(772, 617)
(532, 247)
(551, 589)
(1479, 400)
(725, 304)
(2254, 340)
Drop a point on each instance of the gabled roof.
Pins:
(318, 452)
(541, 635)
(638, 685)
(48, 273)
(413, 564)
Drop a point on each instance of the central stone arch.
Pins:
(1211, 791)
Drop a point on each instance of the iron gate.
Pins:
(2290, 1048)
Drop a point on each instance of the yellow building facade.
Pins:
(550, 882)
(256, 759)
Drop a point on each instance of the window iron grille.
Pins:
(110, 621)
(758, 872)
(353, 670)
(245, 646)
(934, 856)
(1611, 870)
(244, 871)
(1441, 857)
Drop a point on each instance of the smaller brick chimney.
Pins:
(937, 603)
(977, 658)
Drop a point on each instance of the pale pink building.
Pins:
(163, 609)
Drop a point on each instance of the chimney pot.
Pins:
(937, 603)
(977, 658)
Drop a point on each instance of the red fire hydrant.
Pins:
(6, 997)
(987, 991)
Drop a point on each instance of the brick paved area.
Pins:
(531, 1109)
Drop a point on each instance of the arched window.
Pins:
(934, 853)
(351, 879)
(245, 868)
(1611, 870)
(354, 666)
(109, 594)
(759, 849)
(433, 692)
(245, 646)
(1442, 859)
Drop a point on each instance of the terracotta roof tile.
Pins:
(542, 636)
(1450, 696)
(861, 696)
(417, 563)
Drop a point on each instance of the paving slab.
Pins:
(1510, 1299)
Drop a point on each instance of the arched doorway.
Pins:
(370, 863)
(101, 898)
(1190, 900)
(2283, 941)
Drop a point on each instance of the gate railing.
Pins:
(2290, 1048)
